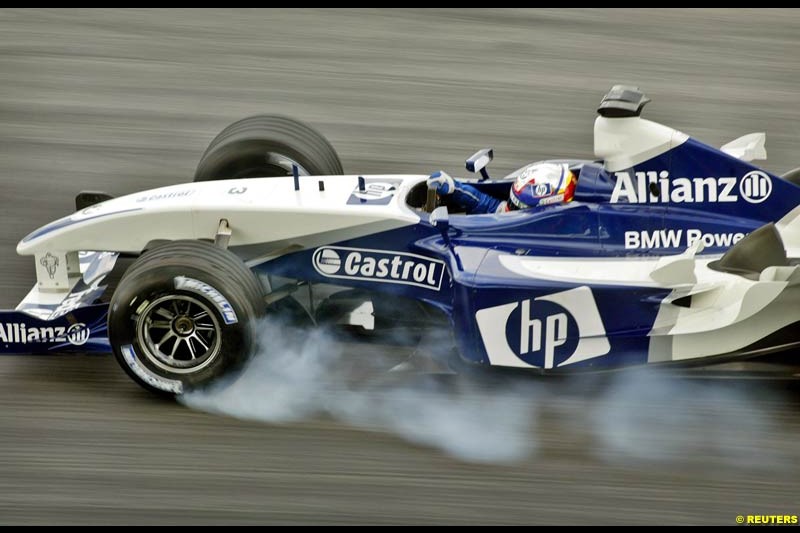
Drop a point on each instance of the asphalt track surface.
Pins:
(125, 100)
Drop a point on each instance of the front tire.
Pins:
(183, 315)
(267, 145)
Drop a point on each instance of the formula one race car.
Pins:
(672, 253)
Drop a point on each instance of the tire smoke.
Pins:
(303, 374)
(630, 416)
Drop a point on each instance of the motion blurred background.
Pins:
(122, 100)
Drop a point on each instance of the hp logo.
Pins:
(552, 330)
(78, 334)
(755, 186)
(544, 333)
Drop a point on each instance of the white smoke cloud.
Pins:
(647, 415)
(642, 415)
(302, 374)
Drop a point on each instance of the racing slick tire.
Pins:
(184, 314)
(267, 145)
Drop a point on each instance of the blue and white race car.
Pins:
(672, 253)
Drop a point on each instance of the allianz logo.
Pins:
(654, 187)
(21, 333)
(379, 266)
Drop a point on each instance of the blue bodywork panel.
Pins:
(659, 207)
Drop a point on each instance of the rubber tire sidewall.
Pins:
(238, 340)
(252, 138)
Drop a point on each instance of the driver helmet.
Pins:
(542, 184)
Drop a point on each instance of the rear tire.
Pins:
(183, 315)
(267, 145)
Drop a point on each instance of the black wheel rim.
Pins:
(269, 165)
(179, 333)
(285, 163)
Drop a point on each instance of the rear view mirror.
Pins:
(478, 162)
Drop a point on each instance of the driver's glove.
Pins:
(441, 182)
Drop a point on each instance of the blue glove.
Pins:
(442, 182)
